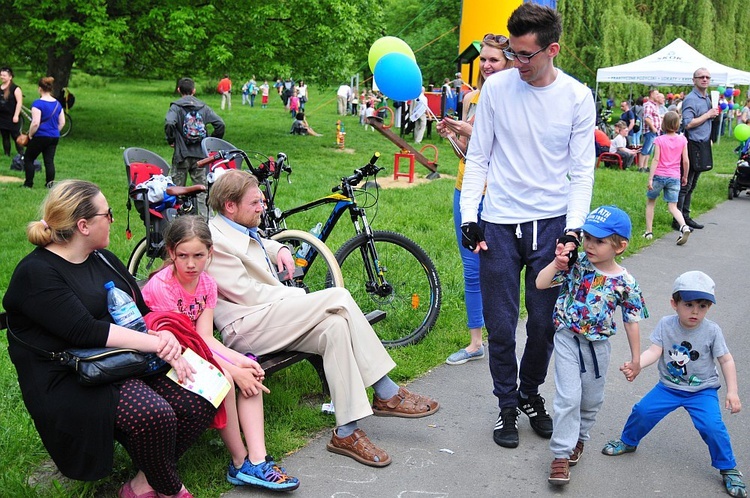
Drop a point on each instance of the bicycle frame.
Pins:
(274, 220)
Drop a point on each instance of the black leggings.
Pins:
(157, 421)
(46, 146)
(7, 136)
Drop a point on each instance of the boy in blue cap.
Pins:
(685, 346)
(593, 285)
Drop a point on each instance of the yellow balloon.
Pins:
(387, 45)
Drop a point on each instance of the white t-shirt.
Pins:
(533, 148)
(619, 142)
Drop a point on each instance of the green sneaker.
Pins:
(617, 447)
(734, 483)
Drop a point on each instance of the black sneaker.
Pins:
(540, 421)
(506, 428)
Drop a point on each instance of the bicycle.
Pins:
(392, 272)
(24, 121)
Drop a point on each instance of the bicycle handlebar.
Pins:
(369, 169)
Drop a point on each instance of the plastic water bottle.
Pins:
(126, 314)
(305, 247)
(123, 309)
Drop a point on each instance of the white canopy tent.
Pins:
(673, 65)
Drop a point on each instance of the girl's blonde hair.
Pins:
(66, 203)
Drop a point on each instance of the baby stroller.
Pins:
(740, 181)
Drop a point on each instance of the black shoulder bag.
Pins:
(97, 366)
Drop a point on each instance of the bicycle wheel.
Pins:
(408, 288)
(68, 125)
(140, 264)
(316, 276)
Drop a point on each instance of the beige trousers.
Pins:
(328, 323)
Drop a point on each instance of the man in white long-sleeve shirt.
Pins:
(533, 147)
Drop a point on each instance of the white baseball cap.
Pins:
(695, 285)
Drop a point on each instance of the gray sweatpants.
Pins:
(580, 372)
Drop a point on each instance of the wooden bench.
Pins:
(277, 361)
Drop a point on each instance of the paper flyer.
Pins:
(209, 381)
(714, 99)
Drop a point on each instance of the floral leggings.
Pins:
(156, 422)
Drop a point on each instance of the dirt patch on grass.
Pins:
(10, 179)
(403, 181)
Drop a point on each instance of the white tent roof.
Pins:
(671, 66)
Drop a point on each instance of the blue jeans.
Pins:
(648, 143)
(705, 412)
(500, 278)
(470, 261)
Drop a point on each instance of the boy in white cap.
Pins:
(686, 346)
(593, 285)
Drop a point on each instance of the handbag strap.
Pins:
(50, 115)
(61, 357)
(106, 261)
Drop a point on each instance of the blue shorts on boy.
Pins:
(688, 378)
(584, 321)
(670, 186)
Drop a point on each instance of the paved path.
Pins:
(452, 453)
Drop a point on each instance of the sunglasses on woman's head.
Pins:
(501, 39)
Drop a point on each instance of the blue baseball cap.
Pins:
(607, 220)
(695, 285)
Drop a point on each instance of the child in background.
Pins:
(686, 346)
(264, 94)
(294, 104)
(183, 286)
(369, 112)
(593, 285)
(619, 144)
(665, 174)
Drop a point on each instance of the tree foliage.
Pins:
(599, 33)
(318, 40)
(431, 30)
(325, 41)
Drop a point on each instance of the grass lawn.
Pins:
(117, 114)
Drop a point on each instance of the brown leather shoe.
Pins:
(576, 455)
(359, 447)
(559, 473)
(404, 404)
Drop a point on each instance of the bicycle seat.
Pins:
(180, 191)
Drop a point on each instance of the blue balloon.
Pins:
(723, 106)
(728, 92)
(398, 77)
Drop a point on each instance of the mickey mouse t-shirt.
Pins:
(164, 293)
(687, 360)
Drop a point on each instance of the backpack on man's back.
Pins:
(193, 126)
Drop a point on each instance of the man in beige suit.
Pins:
(256, 313)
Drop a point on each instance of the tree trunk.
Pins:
(60, 59)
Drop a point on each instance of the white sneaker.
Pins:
(685, 232)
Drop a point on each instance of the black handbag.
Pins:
(97, 366)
